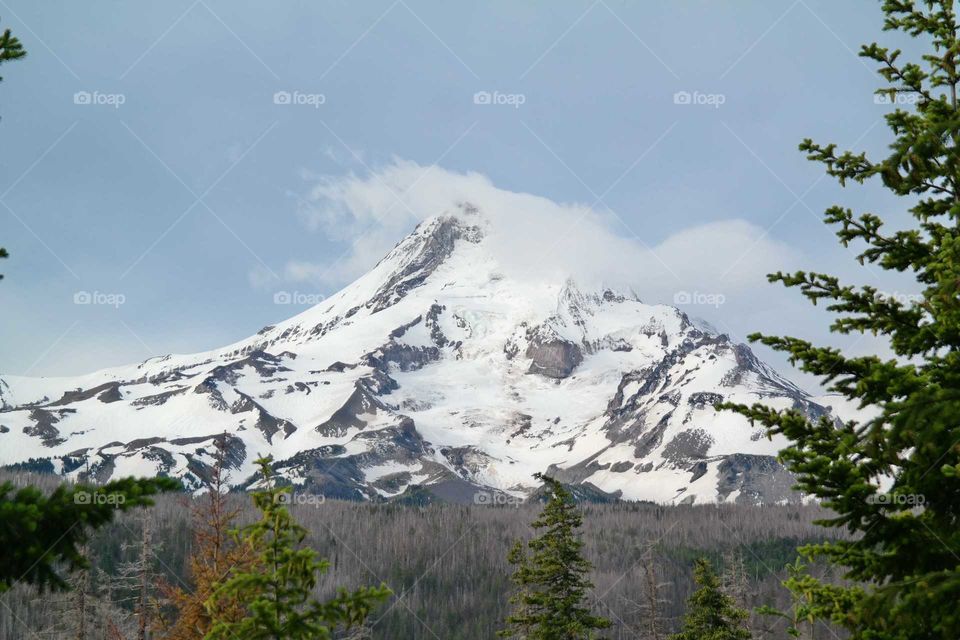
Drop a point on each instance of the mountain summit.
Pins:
(437, 369)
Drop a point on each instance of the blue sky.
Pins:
(188, 198)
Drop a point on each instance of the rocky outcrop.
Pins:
(551, 355)
(351, 415)
(44, 426)
(756, 480)
(554, 359)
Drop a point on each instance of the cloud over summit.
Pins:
(529, 235)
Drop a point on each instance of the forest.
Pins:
(446, 565)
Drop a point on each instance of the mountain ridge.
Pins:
(435, 366)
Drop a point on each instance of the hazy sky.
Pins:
(148, 158)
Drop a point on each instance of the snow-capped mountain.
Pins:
(437, 368)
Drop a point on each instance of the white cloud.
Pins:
(530, 235)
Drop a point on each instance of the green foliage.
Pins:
(37, 532)
(552, 580)
(905, 551)
(711, 614)
(278, 590)
(10, 49)
(759, 556)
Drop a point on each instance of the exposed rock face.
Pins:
(554, 358)
(687, 446)
(353, 414)
(436, 374)
(756, 480)
(43, 426)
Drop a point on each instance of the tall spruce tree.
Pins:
(551, 580)
(905, 545)
(711, 614)
(10, 49)
(278, 590)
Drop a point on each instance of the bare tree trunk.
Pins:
(80, 599)
(143, 613)
(652, 599)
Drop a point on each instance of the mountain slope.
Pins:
(435, 368)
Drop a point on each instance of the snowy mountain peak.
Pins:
(441, 367)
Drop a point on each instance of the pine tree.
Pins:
(213, 557)
(279, 590)
(904, 547)
(552, 580)
(711, 614)
(10, 49)
(40, 533)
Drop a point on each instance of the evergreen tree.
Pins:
(10, 49)
(279, 590)
(905, 544)
(552, 580)
(711, 614)
(38, 532)
(213, 556)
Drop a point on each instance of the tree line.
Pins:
(447, 565)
